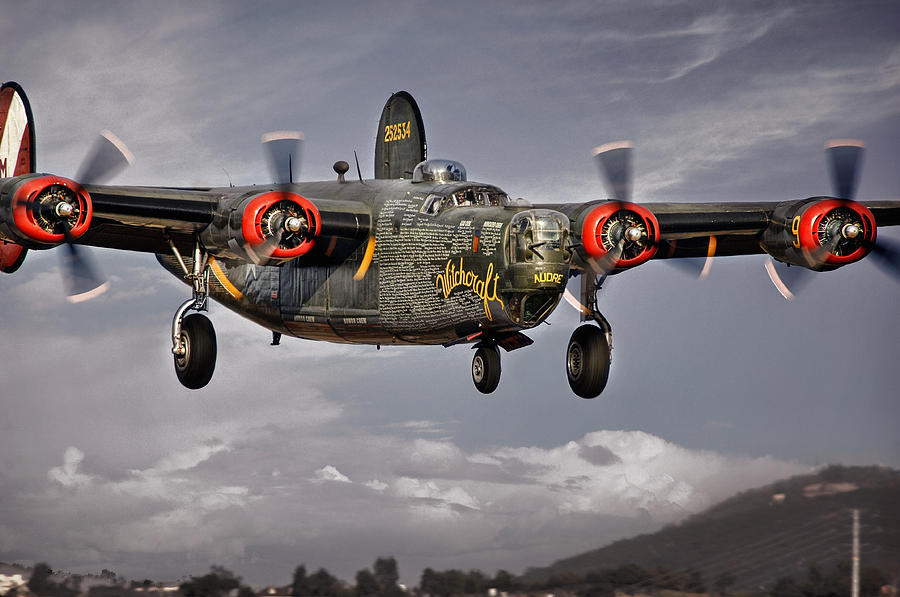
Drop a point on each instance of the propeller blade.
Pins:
(694, 263)
(261, 253)
(82, 278)
(282, 149)
(788, 280)
(608, 262)
(108, 156)
(282, 153)
(614, 161)
(887, 254)
(844, 159)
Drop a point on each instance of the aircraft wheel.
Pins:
(587, 361)
(486, 369)
(195, 368)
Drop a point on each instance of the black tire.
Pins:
(486, 369)
(587, 361)
(195, 368)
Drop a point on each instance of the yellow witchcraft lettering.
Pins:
(485, 289)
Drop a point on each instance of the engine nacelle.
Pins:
(609, 225)
(43, 210)
(820, 233)
(273, 226)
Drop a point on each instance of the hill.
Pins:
(766, 533)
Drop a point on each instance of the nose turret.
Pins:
(538, 268)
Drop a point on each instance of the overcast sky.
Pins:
(333, 455)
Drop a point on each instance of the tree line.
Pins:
(381, 580)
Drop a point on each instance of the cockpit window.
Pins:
(432, 205)
(467, 197)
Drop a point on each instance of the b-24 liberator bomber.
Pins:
(419, 255)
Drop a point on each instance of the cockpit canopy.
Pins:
(439, 171)
(471, 195)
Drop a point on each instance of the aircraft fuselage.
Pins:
(441, 263)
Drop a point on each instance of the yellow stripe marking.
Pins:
(223, 279)
(710, 253)
(366, 261)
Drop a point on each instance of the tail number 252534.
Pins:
(397, 132)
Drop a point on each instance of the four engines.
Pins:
(41, 211)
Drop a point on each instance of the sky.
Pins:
(332, 455)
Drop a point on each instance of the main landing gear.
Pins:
(193, 336)
(486, 368)
(589, 353)
(587, 361)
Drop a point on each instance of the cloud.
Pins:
(67, 475)
(330, 473)
(577, 495)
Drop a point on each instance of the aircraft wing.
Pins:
(146, 218)
(262, 224)
(677, 230)
(818, 233)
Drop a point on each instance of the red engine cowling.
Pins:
(44, 210)
(615, 223)
(820, 233)
(286, 222)
(11, 256)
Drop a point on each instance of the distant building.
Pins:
(10, 581)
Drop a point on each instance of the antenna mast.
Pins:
(854, 584)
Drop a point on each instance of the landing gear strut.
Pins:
(486, 368)
(589, 353)
(193, 337)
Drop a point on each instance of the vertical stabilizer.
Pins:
(16, 155)
(400, 141)
(16, 132)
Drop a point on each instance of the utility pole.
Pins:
(854, 584)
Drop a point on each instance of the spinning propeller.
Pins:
(282, 223)
(60, 210)
(619, 234)
(630, 234)
(839, 232)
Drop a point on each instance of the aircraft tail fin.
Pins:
(400, 141)
(17, 155)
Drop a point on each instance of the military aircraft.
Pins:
(419, 255)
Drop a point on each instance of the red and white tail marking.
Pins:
(15, 148)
